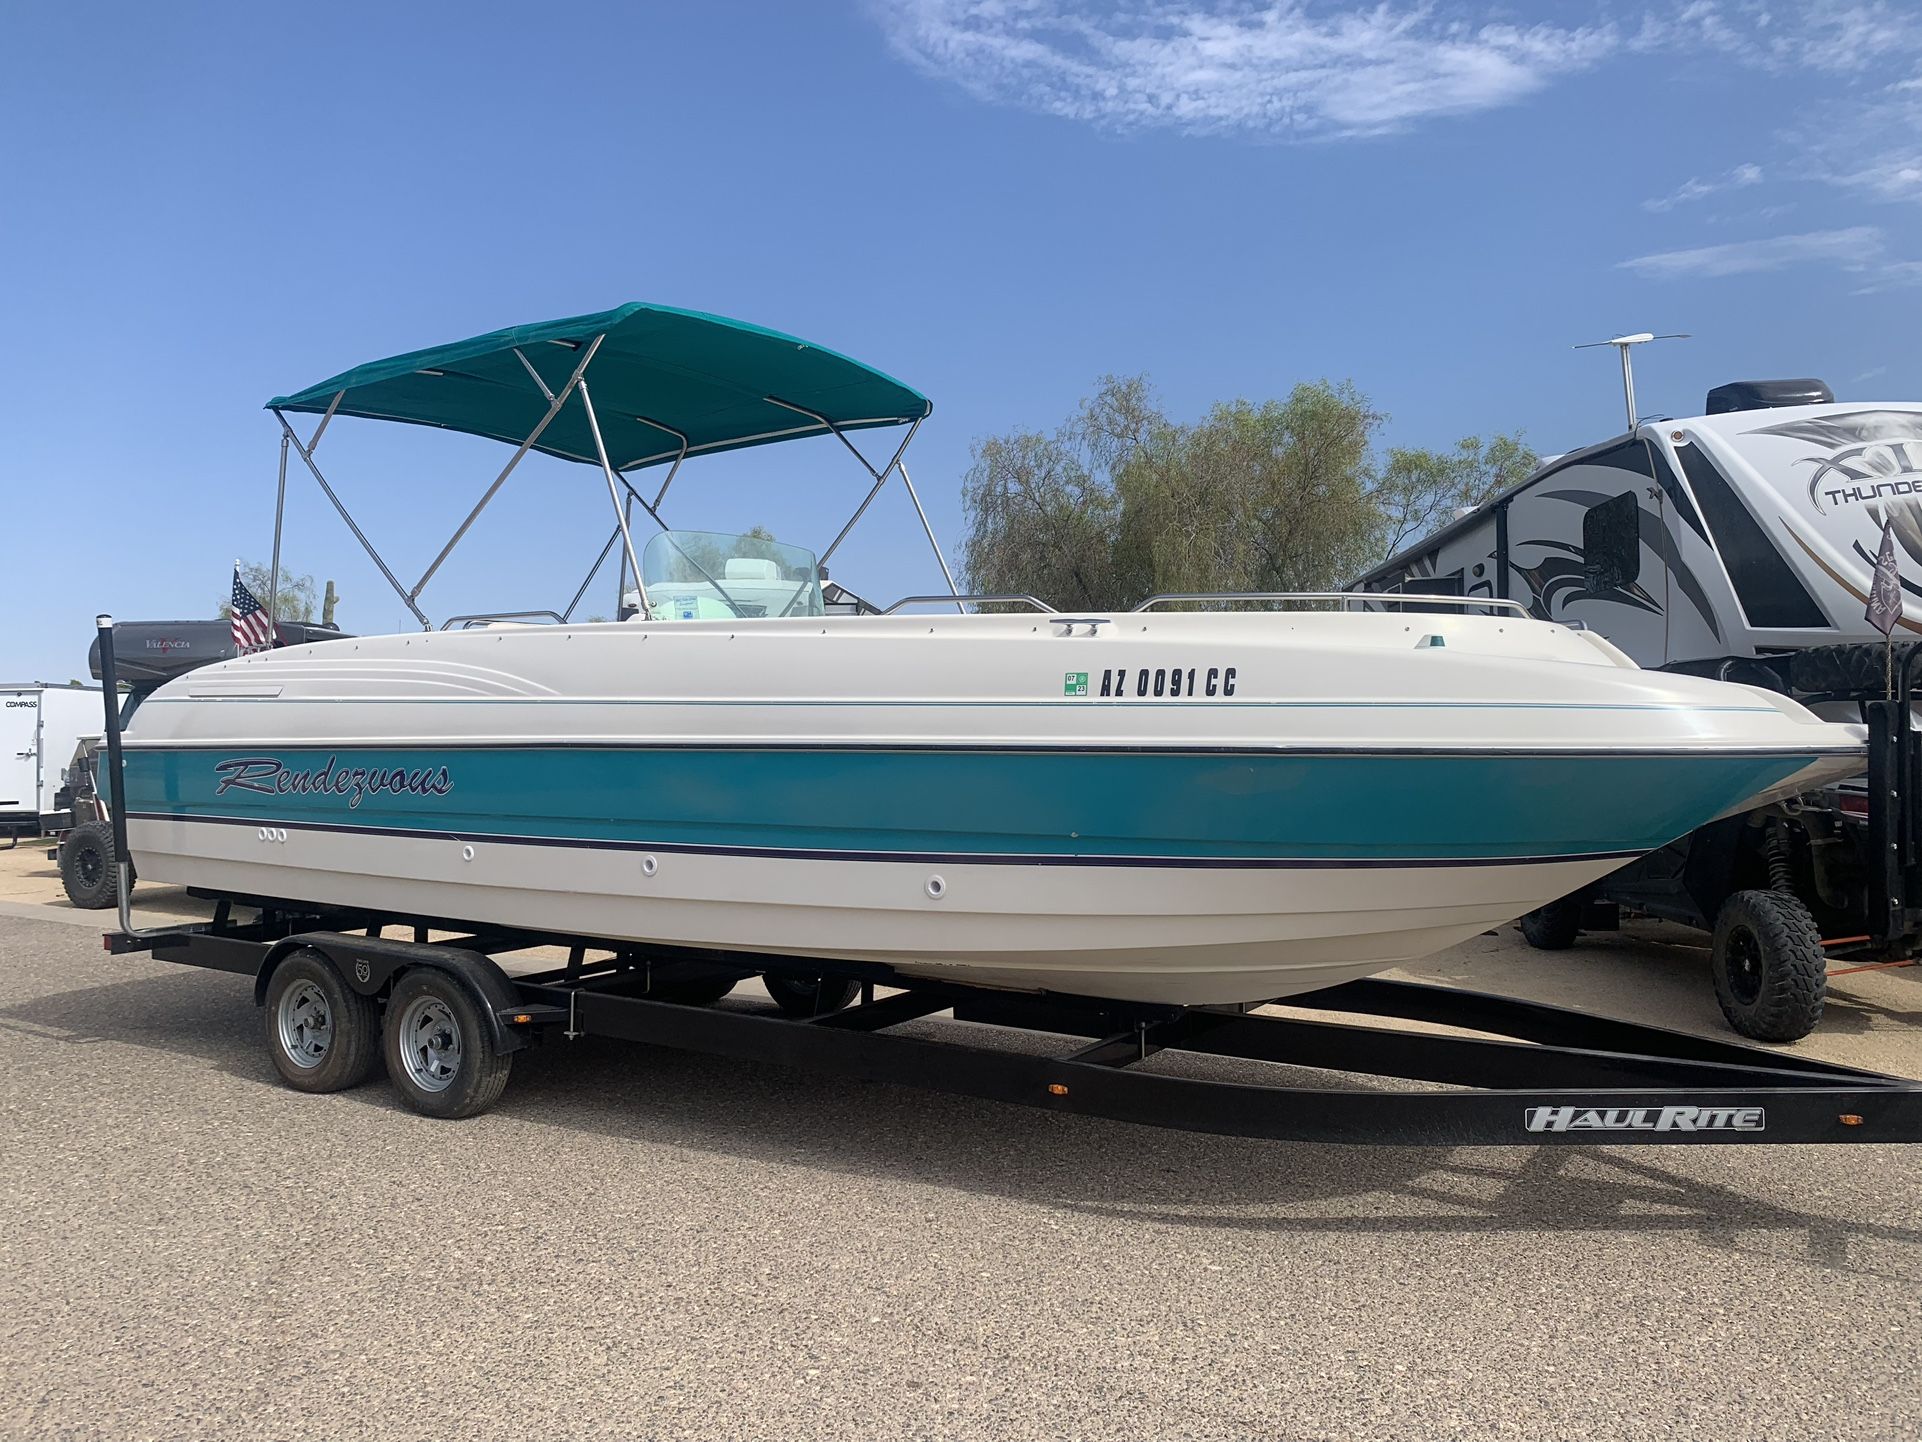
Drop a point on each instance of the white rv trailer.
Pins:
(1745, 535)
(40, 725)
(1739, 544)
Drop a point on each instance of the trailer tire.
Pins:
(805, 996)
(1771, 974)
(1851, 669)
(1555, 927)
(694, 993)
(323, 1035)
(86, 866)
(439, 1052)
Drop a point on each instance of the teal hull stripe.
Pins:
(1159, 808)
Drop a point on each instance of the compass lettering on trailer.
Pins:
(266, 776)
(1163, 683)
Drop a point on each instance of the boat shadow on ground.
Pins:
(768, 1114)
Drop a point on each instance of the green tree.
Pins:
(295, 602)
(1254, 497)
(1043, 512)
(1277, 495)
(1420, 491)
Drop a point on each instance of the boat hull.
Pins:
(1210, 875)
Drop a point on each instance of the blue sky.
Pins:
(996, 200)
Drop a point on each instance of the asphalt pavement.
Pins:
(638, 1243)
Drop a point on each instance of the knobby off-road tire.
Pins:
(439, 1051)
(323, 1035)
(86, 866)
(1555, 927)
(1771, 975)
(1853, 669)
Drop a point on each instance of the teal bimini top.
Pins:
(659, 374)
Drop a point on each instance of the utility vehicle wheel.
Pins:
(1555, 926)
(439, 1054)
(322, 1034)
(810, 995)
(1771, 975)
(694, 993)
(86, 866)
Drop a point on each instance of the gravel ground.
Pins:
(638, 1243)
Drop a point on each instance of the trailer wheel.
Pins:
(1555, 927)
(86, 866)
(439, 1054)
(810, 995)
(1771, 975)
(694, 993)
(322, 1035)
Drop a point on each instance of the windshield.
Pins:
(705, 575)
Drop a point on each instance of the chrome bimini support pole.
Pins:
(280, 513)
(614, 491)
(941, 560)
(306, 455)
(593, 571)
(620, 590)
(880, 479)
(673, 470)
(554, 403)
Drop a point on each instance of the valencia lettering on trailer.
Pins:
(1168, 682)
(1646, 1119)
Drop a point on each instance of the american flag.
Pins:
(253, 630)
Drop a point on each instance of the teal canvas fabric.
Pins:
(658, 370)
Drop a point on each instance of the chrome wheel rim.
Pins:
(306, 1025)
(429, 1043)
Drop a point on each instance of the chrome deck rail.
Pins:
(1343, 596)
(1011, 598)
(467, 623)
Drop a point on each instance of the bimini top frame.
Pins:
(671, 383)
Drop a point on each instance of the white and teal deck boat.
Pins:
(1168, 806)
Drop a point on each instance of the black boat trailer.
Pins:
(1537, 1075)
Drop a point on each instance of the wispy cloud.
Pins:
(1691, 189)
(1856, 247)
(1892, 275)
(1293, 69)
(1270, 69)
(1866, 140)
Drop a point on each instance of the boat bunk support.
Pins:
(1545, 1076)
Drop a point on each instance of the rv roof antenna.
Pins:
(1622, 344)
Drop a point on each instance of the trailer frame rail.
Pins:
(1507, 1072)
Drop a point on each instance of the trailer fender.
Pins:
(370, 964)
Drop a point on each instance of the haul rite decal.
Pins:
(1646, 1119)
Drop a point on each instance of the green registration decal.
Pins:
(1076, 684)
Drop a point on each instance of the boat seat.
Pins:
(751, 568)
